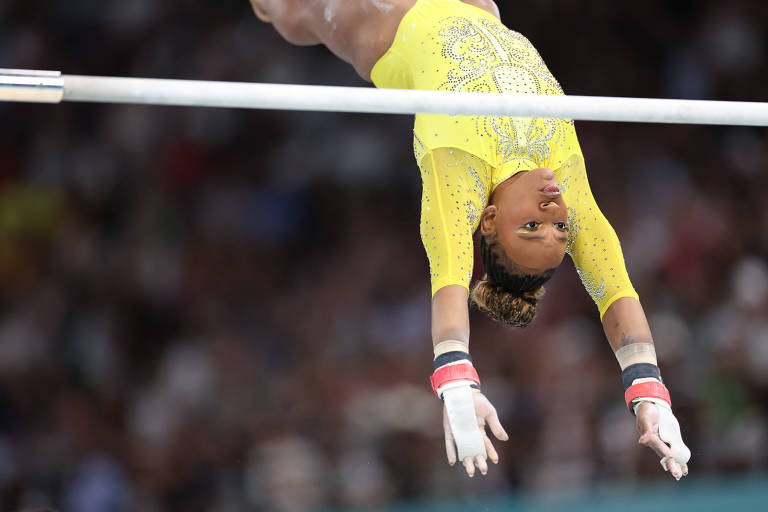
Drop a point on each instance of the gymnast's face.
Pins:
(529, 219)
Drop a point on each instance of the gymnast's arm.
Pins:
(625, 323)
(597, 255)
(627, 330)
(450, 315)
(450, 196)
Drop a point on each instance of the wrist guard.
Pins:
(643, 380)
(453, 367)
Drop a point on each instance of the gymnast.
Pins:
(520, 182)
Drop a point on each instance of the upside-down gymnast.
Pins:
(509, 178)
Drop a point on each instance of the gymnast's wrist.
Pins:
(453, 368)
(643, 383)
(641, 376)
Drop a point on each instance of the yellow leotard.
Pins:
(448, 45)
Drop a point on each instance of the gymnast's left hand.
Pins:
(660, 431)
(466, 414)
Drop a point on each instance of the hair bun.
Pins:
(533, 296)
(515, 309)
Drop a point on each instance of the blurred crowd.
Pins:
(210, 309)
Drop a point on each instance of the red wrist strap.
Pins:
(650, 389)
(452, 373)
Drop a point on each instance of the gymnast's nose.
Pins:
(549, 205)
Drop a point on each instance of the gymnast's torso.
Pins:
(451, 45)
(357, 31)
(446, 45)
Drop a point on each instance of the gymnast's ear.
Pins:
(488, 220)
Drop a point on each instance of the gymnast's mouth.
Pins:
(551, 190)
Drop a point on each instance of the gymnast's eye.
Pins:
(562, 226)
(531, 226)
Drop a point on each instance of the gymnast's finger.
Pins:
(490, 450)
(495, 425)
(668, 462)
(482, 465)
(469, 466)
(652, 441)
(671, 465)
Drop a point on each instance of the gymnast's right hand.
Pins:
(466, 413)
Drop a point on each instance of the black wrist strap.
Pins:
(640, 371)
(451, 357)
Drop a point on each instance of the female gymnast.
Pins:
(521, 182)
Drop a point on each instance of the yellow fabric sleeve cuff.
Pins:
(442, 283)
(627, 292)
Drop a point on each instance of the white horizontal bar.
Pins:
(395, 101)
(30, 72)
(31, 86)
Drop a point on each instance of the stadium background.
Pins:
(208, 309)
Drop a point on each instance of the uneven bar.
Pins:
(31, 86)
(148, 91)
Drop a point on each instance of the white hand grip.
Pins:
(460, 406)
(669, 432)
